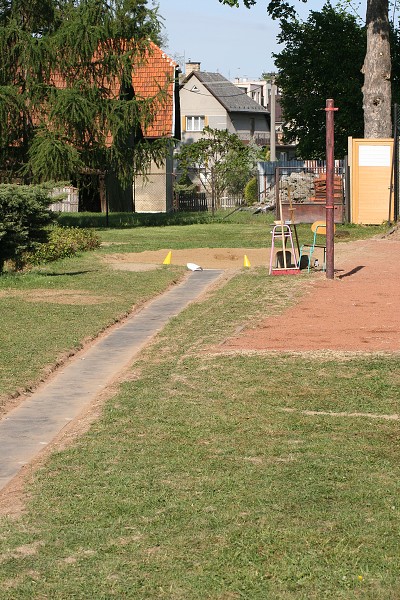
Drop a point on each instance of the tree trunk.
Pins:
(376, 69)
(102, 192)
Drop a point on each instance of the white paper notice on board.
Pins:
(374, 156)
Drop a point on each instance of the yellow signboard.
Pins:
(370, 163)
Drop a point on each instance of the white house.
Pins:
(209, 99)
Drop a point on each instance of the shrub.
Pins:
(63, 242)
(24, 216)
(251, 191)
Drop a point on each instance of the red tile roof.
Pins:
(156, 71)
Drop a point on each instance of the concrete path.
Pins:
(27, 429)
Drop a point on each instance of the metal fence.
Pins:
(153, 193)
(301, 186)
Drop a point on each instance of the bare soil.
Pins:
(207, 258)
(358, 311)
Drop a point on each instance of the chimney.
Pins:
(191, 66)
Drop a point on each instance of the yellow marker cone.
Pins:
(246, 262)
(167, 259)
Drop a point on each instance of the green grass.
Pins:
(231, 228)
(240, 230)
(37, 330)
(196, 483)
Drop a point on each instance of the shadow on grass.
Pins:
(68, 273)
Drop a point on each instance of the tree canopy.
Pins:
(322, 58)
(220, 160)
(66, 99)
(377, 61)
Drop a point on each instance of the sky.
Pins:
(236, 42)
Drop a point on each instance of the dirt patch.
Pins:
(207, 258)
(357, 311)
(55, 296)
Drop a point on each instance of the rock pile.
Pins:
(298, 186)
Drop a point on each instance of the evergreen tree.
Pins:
(66, 98)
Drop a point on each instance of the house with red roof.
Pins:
(154, 191)
(154, 72)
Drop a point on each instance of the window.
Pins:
(194, 123)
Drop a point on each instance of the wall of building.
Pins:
(251, 127)
(154, 193)
(257, 89)
(201, 103)
(370, 162)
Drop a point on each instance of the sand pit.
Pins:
(207, 258)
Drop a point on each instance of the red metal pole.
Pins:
(330, 172)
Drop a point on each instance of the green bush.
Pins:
(251, 191)
(62, 243)
(24, 216)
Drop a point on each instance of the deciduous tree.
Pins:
(321, 58)
(221, 160)
(377, 62)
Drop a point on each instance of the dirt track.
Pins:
(358, 311)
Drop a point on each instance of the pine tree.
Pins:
(67, 105)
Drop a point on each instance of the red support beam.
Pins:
(330, 173)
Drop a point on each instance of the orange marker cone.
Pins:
(167, 259)
(246, 262)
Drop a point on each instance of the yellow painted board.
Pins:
(371, 172)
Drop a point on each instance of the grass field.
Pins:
(204, 478)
